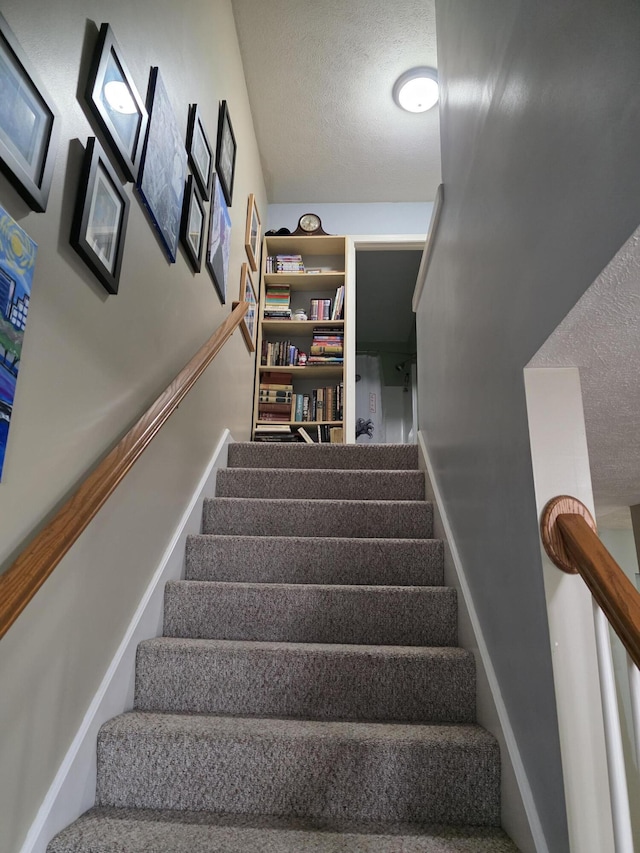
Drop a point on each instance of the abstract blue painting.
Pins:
(17, 262)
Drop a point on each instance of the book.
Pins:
(305, 435)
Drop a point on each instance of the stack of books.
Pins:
(284, 263)
(279, 354)
(275, 433)
(277, 302)
(327, 346)
(275, 398)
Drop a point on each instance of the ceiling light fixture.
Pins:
(417, 89)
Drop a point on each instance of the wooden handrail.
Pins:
(30, 570)
(610, 587)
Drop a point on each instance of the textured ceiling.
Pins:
(319, 76)
(384, 289)
(601, 336)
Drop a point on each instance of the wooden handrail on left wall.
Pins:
(570, 539)
(30, 570)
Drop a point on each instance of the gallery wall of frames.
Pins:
(183, 183)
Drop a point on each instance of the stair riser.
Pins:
(314, 777)
(307, 684)
(331, 456)
(276, 559)
(409, 616)
(316, 485)
(254, 517)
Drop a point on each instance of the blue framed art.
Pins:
(219, 246)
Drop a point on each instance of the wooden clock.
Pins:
(309, 225)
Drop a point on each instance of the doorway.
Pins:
(385, 362)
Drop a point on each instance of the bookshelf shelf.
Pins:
(310, 389)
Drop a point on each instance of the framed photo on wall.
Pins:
(28, 124)
(116, 104)
(252, 233)
(226, 153)
(163, 169)
(248, 294)
(199, 151)
(100, 218)
(192, 231)
(219, 245)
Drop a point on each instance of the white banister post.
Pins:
(634, 690)
(613, 737)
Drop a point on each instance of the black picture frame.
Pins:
(100, 217)
(116, 104)
(29, 124)
(193, 225)
(199, 151)
(226, 149)
(163, 169)
(219, 241)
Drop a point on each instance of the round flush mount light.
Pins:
(416, 90)
(119, 98)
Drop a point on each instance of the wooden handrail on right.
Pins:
(571, 542)
(26, 575)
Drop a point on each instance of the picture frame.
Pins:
(192, 228)
(29, 124)
(248, 324)
(226, 153)
(219, 242)
(116, 104)
(199, 151)
(163, 168)
(252, 233)
(100, 218)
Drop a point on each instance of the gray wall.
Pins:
(92, 363)
(540, 127)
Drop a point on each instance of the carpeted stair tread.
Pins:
(340, 456)
(108, 830)
(301, 483)
(311, 613)
(314, 681)
(345, 770)
(282, 517)
(285, 559)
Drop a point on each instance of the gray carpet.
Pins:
(308, 693)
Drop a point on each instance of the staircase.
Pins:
(308, 693)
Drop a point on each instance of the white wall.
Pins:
(377, 218)
(91, 365)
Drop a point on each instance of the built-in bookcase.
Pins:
(298, 273)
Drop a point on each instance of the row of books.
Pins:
(284, 263)
(283, 433)
(327, 345)
(328, 309)
(279, 354)
(321, 404)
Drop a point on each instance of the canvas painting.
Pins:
(17, 262)
(219, 247)
(164, 167)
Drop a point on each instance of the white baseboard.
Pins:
(73, 789)
(508, 735)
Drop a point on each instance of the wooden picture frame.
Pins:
(219, 242)
(29, 124)
(192, 227)
(252, 233)
(248, 324)
(163, 169)
(199, 151)
(116, 103)
(100, 218)
(226, 149)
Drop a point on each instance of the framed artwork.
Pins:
(100, 217)
(219, 245)
(252, 233)
(226, 153)
(116, 103)
(199, 151)
(248, 294)
(17, 263)
(29, 124)
(192, 227)
(163, 169)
